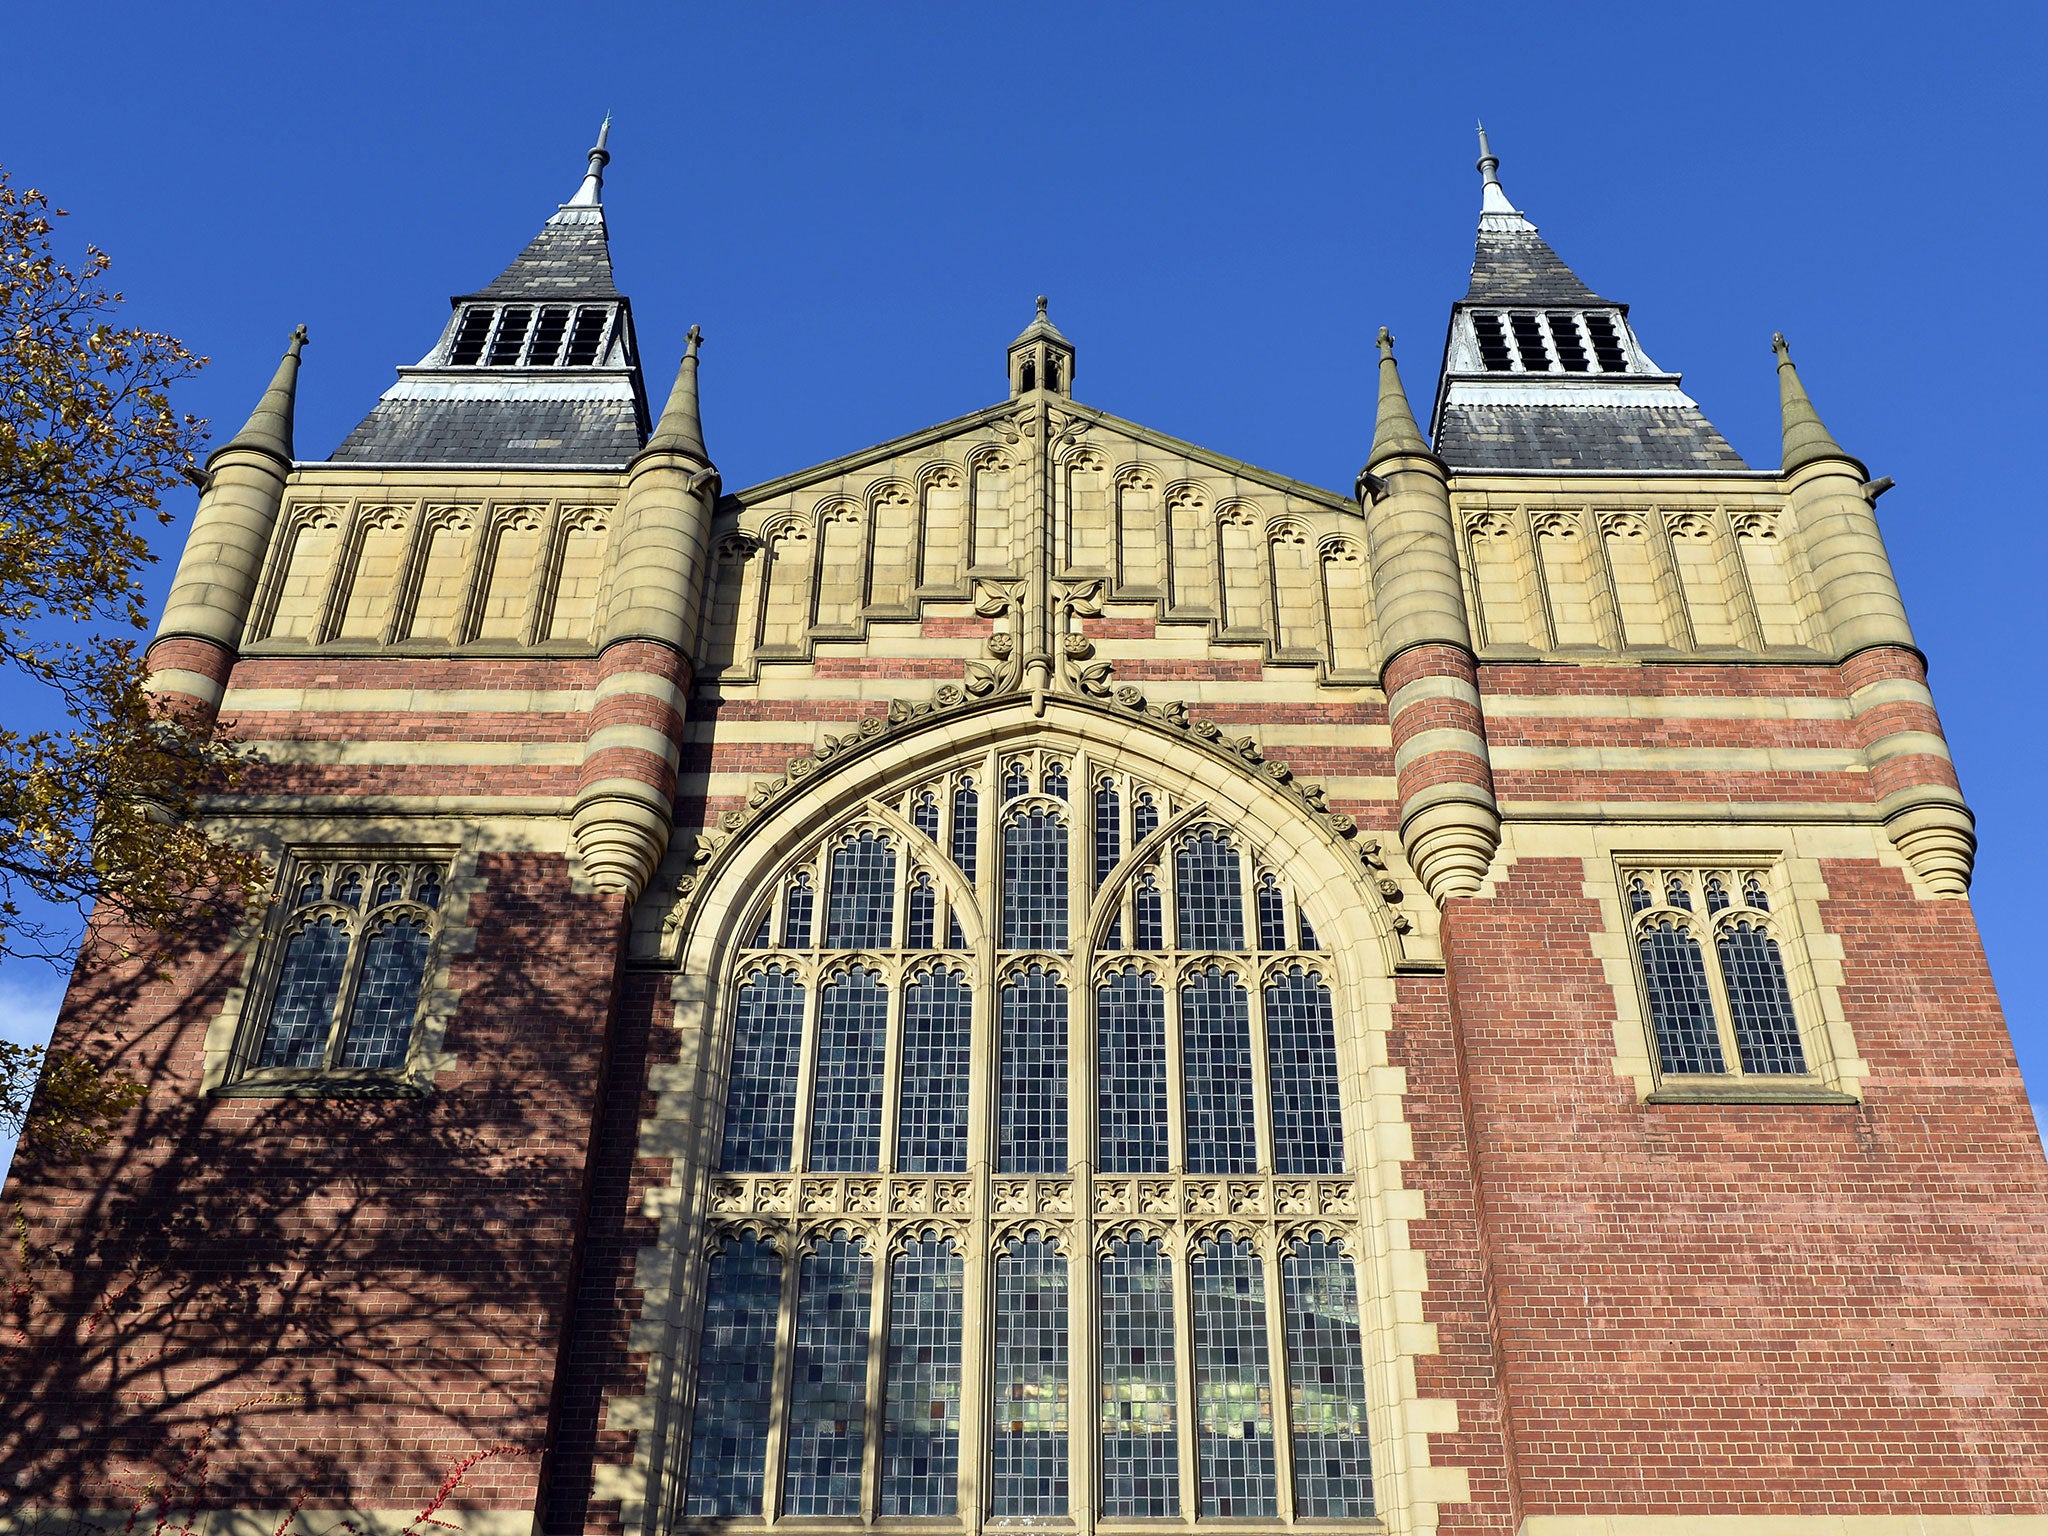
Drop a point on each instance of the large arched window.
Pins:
(1033, 1190)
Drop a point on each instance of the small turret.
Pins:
(269, 427)
(1806, 438)
(1041, 358)
(680, 430)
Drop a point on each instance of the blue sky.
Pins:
(858, 202)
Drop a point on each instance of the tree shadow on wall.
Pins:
(367, 1289)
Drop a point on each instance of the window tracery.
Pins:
(1725, 1016)
(1171, 1084)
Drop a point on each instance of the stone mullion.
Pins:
(1267, 1143)
(892, 1070)
(1703, 924)
(1185, 1417)
(1083, 1143)
(780, 1388)
(878, 1354)
(807, 1059)
(977, 1340)
(1277, 1376)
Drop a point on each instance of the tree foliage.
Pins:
(98, 810)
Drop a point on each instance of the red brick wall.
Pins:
(401, 1266)
(1782, 1308)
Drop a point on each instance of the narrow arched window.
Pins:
(924, 815)
(1147, 916)
(858, 902)
(1140, 1443)
(796, 913)
(1108, 830)
(931, 1133)
(308, 986)
(1766, 1033)
(1681, 1011)
(1056, 781)
(1326, 1383)
(1301, 1057)
(828, 1388)
(1016, 780)
(760, 1101)
(1028, 1403)
(921, 1414)
(1032, 1116)
(921, 914)
(846, 1108)
(1216, 1054)
(387, 994)
(1035, 882)
(1209, 893)
(1272, 915)
(1130, 1046)
(1144, 817)
(735, 1380)
(966, 826)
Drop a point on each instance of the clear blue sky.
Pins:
(858, 202)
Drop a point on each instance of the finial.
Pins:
(1489, 162)
(1386, 342)
(1394, 433)
(591, 193)
(1041, 304)
(692, 341)
(1806, 437)
(1493, 198)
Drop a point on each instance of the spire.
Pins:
(591, 193)
(680, 430)
(1806, 439)
(1394, 433)
(269, 427)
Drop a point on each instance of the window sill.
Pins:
(324, 1085)
(1746, 1090)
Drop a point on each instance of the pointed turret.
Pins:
(680, 429)
(269, 427)
(1541, 372)
(1806, 438)
(1394, 432)
(1041, 357)
(539, 366)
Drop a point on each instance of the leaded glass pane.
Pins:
(1717, 894)
(1035, 882)
(966, 825)
(1272, 916)
(828, 1387)
(311, 890)
(1209, 894)
(1216, 1074)
(1233, 1382)
(931, 1116)
(1130, 1069)
(1108, 833)
(1016, 781)
(924, 815)
(1140, 1449)
(1301, 1061)
(921, 1413)
(796, 913)
(763, 931)
(387, 995)
(760, 1104)
(1681, 1011)
(1056, 781)
(1148, 916)
(1308, 935)
(846, 1106)
(1032, 1124)
(349, 892)
(428, 894)
(860, 897)
(1144, 817)
(390, 888)
(1753, 895)
(308, 986)
(1326, 1383)
(1028, 1409)
(1766, 1033)
(1675, 894)
(921, 914)
(1638, 895)
(735, 1380)
(955, 939)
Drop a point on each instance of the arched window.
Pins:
(886, 1099)
(1728, 1016)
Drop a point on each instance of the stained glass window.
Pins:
(1056, 781)
(828, 1387)
(1681, 1011)
(966, 825)
(308, 986)
(1035, 882)
(1028, 1399)
(796, 913)
(1326, 1383)
(1147, 915)
(1717, 894)
(1301, 1059)
(846, 1107)
(921, 914)
(1233, 1382)
(1032, 1121)
(1140, 1450)
(760, 1102)
(735, 1380)
(921, 1414)
(1016, 781)
(1108, 832)
(931, 1117)
(861, 895)
(1130, 1048)
(1766, 1033)
(1753, 895)
(763, 931)
(1272, 915)
(1308, 934)
(1216, 1070)
(924, 815)
(387, 994)
(1210, 891)
(1144, 817)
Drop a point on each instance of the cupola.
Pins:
(1041, 358)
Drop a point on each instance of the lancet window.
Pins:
(1711, 958)
(1098, 993)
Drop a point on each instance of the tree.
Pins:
(97, 816)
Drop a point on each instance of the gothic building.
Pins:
(1038, 977)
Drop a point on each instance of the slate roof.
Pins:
(518, 431)
(1666, 437)
(1511, 267)
(570, 258)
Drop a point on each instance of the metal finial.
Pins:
(591, 193)
(1493, 198)
(691, 341)
(604, 130)
(299, 337)
(1041, 303)
(1386, 342)
(1778, 346)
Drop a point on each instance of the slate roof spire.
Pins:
(1542, 373)
(539, 366)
